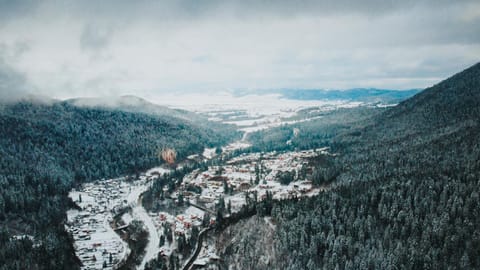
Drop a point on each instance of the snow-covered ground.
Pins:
(251, 113)
(157, 170)
(276, 123)
(98, 246)
(239, 175)
(152, 249)
(254, 110)
(254, 105)
(238, 144)
(209, 153)
(96, 243)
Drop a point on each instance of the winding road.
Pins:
(153, 240)
(138, 212)
(198, 248)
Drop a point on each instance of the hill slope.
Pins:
(407, 195)
(47, 148)
(449, 109)
(454, 99)
(132, 104)
(135, 104)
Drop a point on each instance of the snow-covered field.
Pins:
(251, 113)
(255, 105)
(256, 110)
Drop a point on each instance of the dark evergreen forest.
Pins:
(312, 134)
(407, 191)
(46, 149)
(404, 181)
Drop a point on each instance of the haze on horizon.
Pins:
(66, 49)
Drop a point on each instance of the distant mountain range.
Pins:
(370, 95)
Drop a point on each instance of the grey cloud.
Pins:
(436, 17)
(10, 10)
(429, 21)
(13, 84)
(191, 44)
(439, 26)
(95, 37)
(192, 9)
(195, 8)
(20, 47)
(14, 51)
(202, 59)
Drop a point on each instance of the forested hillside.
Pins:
(136, 104)
(407, 193)
(456, 99)
(444, 108)
(46, 149)
(316, 133)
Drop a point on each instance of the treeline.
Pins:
(48, 149)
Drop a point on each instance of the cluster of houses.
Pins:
(180, 224)
(98, 246)
(96, 243)
(239, 175)
(256, 172)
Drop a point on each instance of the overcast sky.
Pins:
(88, 48)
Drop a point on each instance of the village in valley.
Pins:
(252, 173)
(105, 209)
(95, 241)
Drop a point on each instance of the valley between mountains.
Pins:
(345, 183)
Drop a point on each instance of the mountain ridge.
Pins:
(455, 98)
(406, 194)
(132, 103)
(446, 107)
